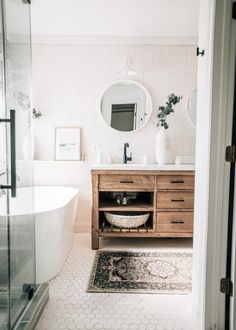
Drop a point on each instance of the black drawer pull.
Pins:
(126, 181)
(177, 181)
(177, 221)
(177, 200)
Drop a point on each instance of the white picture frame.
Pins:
(67, 143)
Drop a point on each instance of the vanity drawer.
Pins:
(127, 182)
(175, 182)
(175, 200)
(174, 222)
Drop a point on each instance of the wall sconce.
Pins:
(126, 67)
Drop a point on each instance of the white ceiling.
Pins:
(125, 18)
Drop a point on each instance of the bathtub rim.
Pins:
(50, 209)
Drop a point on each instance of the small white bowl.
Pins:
(126, 221)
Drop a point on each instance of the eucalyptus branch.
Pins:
(164, 111)
(36, 114)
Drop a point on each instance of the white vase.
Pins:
(161, 146)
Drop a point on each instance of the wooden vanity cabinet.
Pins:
(167, 195)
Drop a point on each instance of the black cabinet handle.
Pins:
(177, 200)
(177, 221)
(126, 181)
(12, 120)
(177, 181)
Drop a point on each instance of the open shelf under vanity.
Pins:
(166, 195)
(136, 201)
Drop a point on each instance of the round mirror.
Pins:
(126, 106)
(191, 108)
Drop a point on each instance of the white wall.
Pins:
(114, 18)
(68, 82)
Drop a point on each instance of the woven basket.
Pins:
(126, 220)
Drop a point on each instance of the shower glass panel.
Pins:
(4, 264)
(17, 242)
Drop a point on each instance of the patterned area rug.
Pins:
(141, 272)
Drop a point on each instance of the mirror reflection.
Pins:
(191, 108)
(126, 106)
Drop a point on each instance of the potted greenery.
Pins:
(163, 113)
(36, 114)
(29, 144)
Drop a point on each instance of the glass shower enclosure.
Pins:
(17, 243)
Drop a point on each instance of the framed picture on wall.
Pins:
(67, 143)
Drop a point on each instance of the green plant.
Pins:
(36, 114)
(164, 111)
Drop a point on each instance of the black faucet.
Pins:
(125, 157)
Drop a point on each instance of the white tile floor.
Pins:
(70, 307)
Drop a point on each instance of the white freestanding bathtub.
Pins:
(55, 209)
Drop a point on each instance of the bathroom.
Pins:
(100, 192)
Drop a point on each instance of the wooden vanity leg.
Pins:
(95, 213)
(95, 240)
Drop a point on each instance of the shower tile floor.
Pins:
(70, 307)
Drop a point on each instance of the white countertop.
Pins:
(144, 167)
